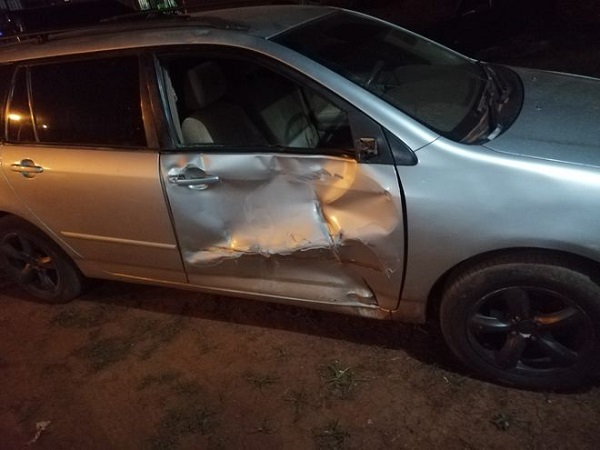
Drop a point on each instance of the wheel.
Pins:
(531, 322)
(36, 263)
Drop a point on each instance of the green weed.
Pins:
(299, 400)
(261, 381)
(340, 380)
(331, 437)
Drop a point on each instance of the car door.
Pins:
(76, 154)
(276, 189)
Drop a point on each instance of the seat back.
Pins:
(213, 119)
(279, 105)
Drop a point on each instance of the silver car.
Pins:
(315, 157)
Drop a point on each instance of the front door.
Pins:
(267, 195)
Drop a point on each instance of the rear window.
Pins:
(93, 102)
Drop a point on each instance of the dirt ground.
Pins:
(134, 367)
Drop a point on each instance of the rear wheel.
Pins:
(531, 322)
(36, 263)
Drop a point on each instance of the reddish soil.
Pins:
(147, 368)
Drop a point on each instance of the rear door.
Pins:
(77, 155)
(272, 188)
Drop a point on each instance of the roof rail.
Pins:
(98, 17)
(21, 21)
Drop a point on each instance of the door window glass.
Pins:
(240, 103)
(94, 102)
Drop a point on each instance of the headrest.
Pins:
(205, 84)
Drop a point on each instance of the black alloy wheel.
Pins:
(36, 263)
(530, 322)
(529, 330)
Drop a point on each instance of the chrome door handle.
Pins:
(192, 177)
(210, 179)
(26, 167)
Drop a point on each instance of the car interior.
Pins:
(238, 103)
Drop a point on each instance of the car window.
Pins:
(92, 102)
(425, 80)
(234, 102)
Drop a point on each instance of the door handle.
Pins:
(192, 177)
(26, 167)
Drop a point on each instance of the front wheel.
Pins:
(530, 322)
(36, 263)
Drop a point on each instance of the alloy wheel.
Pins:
(529, 330)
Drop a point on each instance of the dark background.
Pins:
(561, 35)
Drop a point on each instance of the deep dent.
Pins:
(292, 210)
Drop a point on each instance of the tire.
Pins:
(531, 322)
(36, 263)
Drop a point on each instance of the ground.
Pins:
(135, 367)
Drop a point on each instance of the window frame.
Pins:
(5, 95)
(147, 116)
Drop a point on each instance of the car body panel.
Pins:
(558, 121)
(502, 202)
(307, 227)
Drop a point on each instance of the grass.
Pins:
(188, 414)
(82, 318)
(105, 352)
(299, 400)
(267, 426)
(146, 336)
(261, 381)
(331, 437)
(185, 419)
(341, 380)
(158, 333)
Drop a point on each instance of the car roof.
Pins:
(257, 21)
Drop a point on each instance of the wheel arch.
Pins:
(37, 262)
(68, 251)
(582, 263)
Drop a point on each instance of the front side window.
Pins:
(92, 102)
(226, 101)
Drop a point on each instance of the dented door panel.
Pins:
(314, 228)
